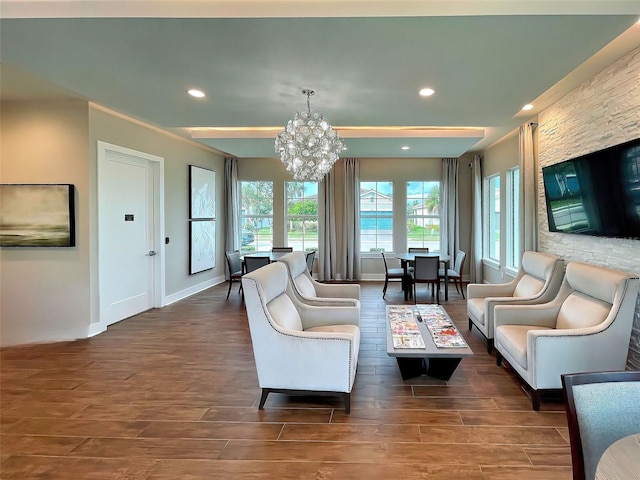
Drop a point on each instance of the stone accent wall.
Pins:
(602, 112)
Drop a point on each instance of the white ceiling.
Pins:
(366, 60)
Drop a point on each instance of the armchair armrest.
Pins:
(343, 290)
(330, 302)
(317, 316)
(543, 315)
(483, 290)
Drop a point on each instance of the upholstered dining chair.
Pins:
(537, 281)
(252, 262)
(390, 274)
(310, 257)
(425, 270)
(602, 407)
(282, 249)
(455, 273)
(299, 348)
(234, 264)
(585, 328)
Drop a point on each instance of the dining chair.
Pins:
(252, 263)
(602, 407)
(425, 270)
(282, 249)
(390, 274)
(234, 264)
(418, 250)
(455, 273)
(310, 257)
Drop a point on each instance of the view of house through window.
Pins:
(513, 218)
(257, 216)
(423, 215)
(492, 217)
(376, 216)
(302, 215)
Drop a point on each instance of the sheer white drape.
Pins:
(528, 190)
(327, 244)
(231, 206)
(449, 208)
(350, 261)
(475, 255)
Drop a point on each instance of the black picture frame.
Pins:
(37, 215)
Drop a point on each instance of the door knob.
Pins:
(152, 253)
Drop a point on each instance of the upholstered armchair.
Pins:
(538, 281)
(299, 348)
(586, 328)
(306, 289)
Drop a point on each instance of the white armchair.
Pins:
(306, 289)
(299, 348)
(538, 281)
(586, 328)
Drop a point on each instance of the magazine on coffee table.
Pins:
(441, 327)
(405, 331)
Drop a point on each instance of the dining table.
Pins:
(407, 258)
(621, 460)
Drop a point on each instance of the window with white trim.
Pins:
(301, 215)
(376, 216)
(491, 219)
(256, 215)
(423, 215)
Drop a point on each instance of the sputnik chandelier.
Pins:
(308, 146)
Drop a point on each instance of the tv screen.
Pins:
(596, 194)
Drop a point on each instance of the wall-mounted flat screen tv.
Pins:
(596, 194)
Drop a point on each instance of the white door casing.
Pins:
(130, 232)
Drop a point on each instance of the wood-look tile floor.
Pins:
(172, 394)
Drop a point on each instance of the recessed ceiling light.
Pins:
(427, 92)
(528, 106)
(195, 93)
(405, 147)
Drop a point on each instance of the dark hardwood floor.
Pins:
(173, 393)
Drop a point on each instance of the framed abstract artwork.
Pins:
(37, 215)
(202, 187)
(202, 245)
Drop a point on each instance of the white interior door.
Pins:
(128, 235)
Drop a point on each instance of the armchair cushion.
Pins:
(580, 310)
(284, 313)
(528, 286)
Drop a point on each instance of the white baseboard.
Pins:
(187, 292)
(95, 329)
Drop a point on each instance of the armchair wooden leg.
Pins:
(489, 345)
(347, 402)
(535, 399)
(498, 358)
(470, 324)
(263, 398)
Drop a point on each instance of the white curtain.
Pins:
(449, 209)
(475, 255)
(327, 245)
(350, 264)
(231, 204)
(528, 227)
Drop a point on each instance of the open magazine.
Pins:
(441, 327)
(404, 327)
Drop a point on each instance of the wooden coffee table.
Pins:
(438, 362)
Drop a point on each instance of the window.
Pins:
(302, 215)
(376, 216)
(257, 215)
(513, 218)
(492, 217)
(423, 215)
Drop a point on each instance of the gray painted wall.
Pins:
(602, 112)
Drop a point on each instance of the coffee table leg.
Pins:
(442, 368)
(411, 367)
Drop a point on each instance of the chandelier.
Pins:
(308, 146)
